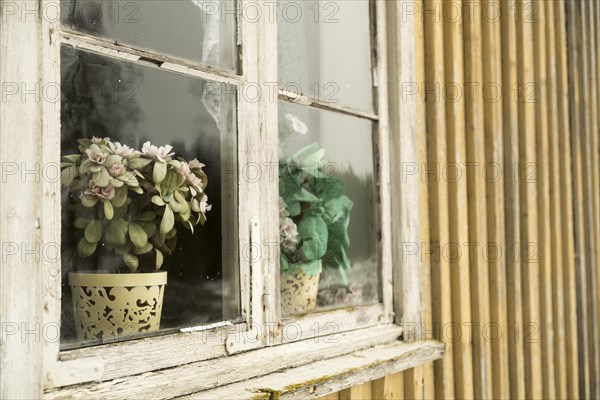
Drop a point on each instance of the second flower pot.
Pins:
(299, 290)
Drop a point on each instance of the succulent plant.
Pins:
(314, 214)
(132, 202)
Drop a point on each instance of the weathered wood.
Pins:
(589, 71)
(486, 221)
(546, 328)
(390, 387)
(332, 375)
(204, 375)
(23, 111)
(512, 208)
(306, 100)
(458, 203)
(564, 97)
(358, 392)
(577, 126)
(404, 215)
(529, 209)
(557, 261)
(438, 194)
(392, 268)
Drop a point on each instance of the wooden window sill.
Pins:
(330, 375)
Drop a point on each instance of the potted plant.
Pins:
(127, 206)
(314, 216)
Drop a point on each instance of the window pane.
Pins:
(325, 50)
(132, 104)
(327, 210)
(197, 30)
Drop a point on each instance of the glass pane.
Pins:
(325, 50)
(112, 224)
(197, 30)
(327, 210)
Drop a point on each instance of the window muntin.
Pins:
(325, 51)
(132, 104)
(196, 30)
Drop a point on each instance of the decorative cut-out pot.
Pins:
(299, 290)
(112, 306)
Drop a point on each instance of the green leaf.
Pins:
(88, 200)
(145, 216)
(68, 174)
(85, 248)
(329, 187)
(143, 250)
(101, 178)
(315, 235)
(149, 228)
(138, 235)
(109, 211)
(158, 201)
(168, 220)
(120, 197)
(138, 163)
(112, 159)
(75, 158)
(93, 231)
(129, 179)
(116, 232)
(159, 259)
(159, 172)
(131, 261)
(138, 190)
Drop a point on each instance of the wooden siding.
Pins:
(524, 323)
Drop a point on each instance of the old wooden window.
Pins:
(217, 68)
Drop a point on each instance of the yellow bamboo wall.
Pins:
(536, 122)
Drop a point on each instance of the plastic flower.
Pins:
(95, 140)
(183, 169)
(195, 164)
(123, 150)
(116, 169)
(194, 181)
(96, 154)
(297, 125)
(101, 192)
(204, 206)
(162, 153)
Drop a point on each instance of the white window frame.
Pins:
(181, 358)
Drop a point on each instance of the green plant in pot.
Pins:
(127, 206)
(314, 217)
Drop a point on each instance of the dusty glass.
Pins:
(328, 203)
(325, 51)
(132, 104)
(200, 31)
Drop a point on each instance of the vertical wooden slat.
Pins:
(477, 210)
(546, 328)
(564, 99)
(595, 164)
(556, 227)
(494, 156)
(438, 194)
(389, 388)
(574, 37)
(359, 392)
(457, 195)
(589, 116)
(514, 274)
(528, 200)
(418, 382)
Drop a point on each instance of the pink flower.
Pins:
(96, 154)
(195, 182)
(184, 168)
(283, 212)
(116, 169)
(204, 206)
(95, 140)
(162, 154)
(123, 150)
(195, 164)
(101, 192)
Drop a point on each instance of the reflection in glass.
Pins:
(327, 209)
(197, 30)
(325, 50)
(132, 104)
